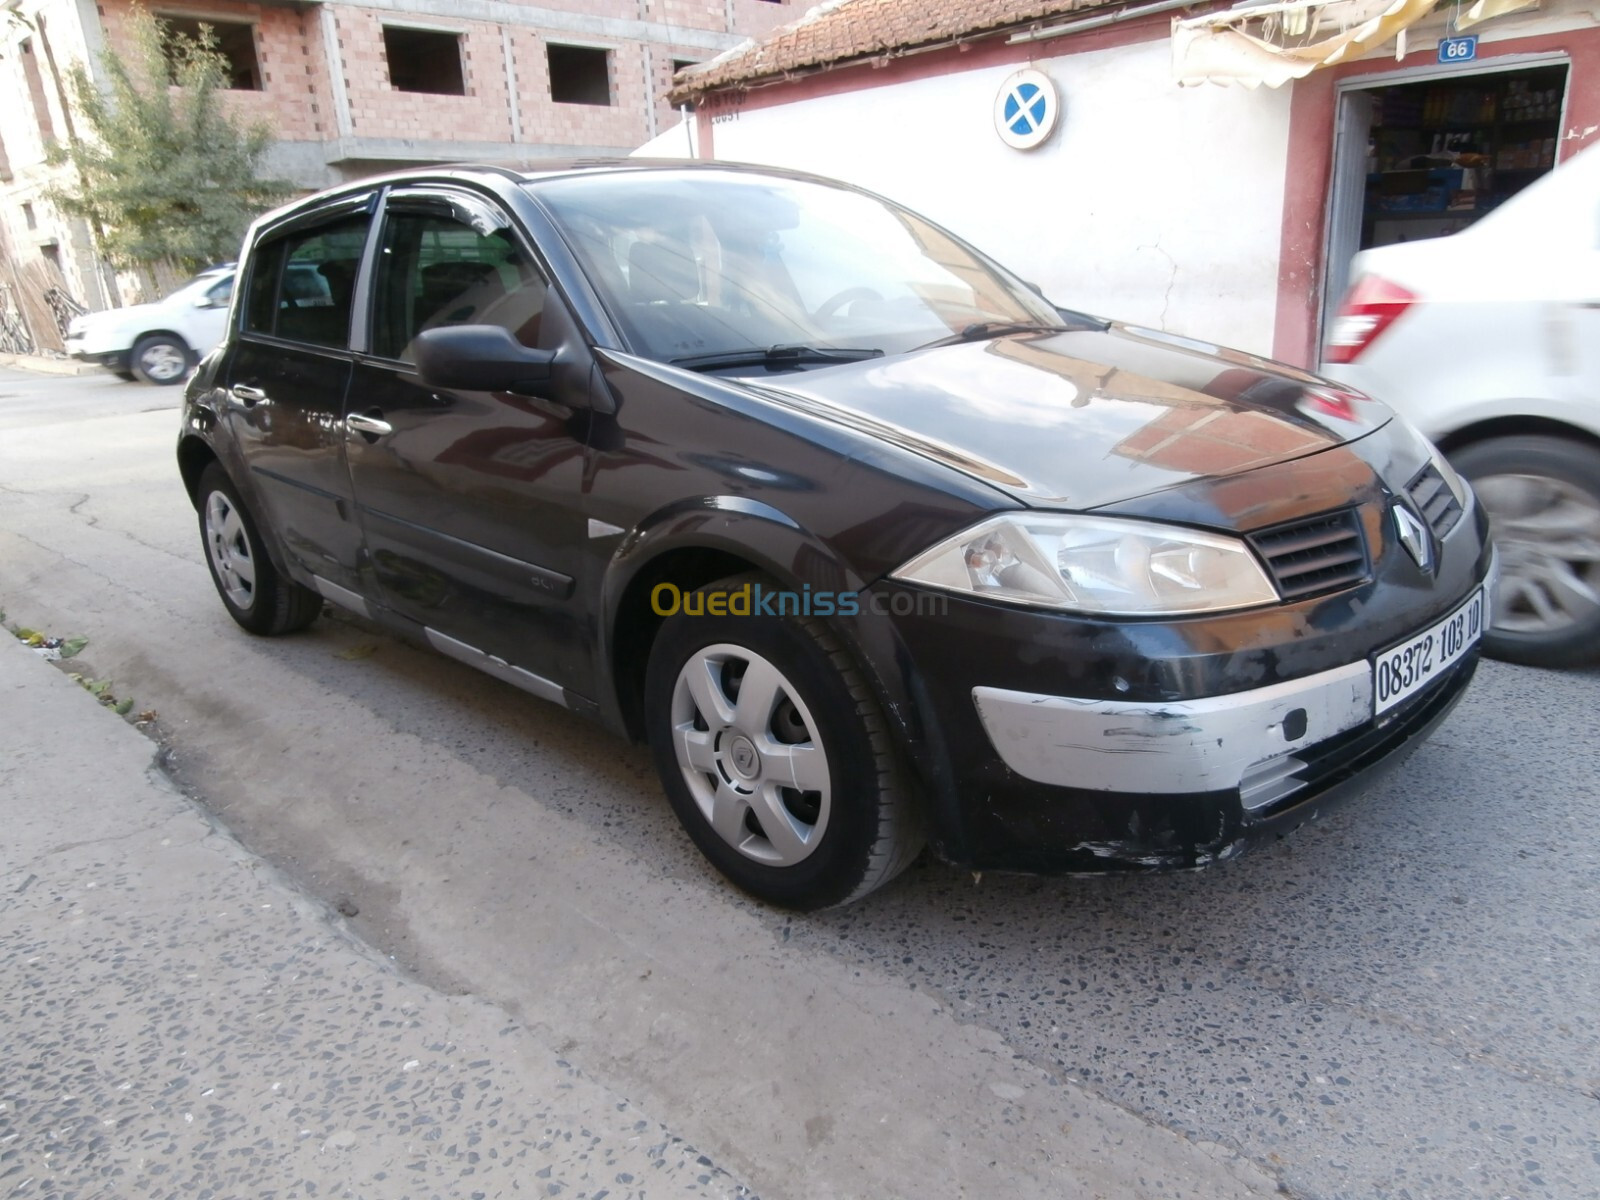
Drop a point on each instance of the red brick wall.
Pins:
(543, 120)
(754, 18)
(293, 100)
(297, 98)
(661, 77)
(378, 110)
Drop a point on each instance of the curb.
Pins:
(41, 365)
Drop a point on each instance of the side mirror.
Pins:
(480, 358)
(208, 302)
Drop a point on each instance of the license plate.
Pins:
(1406, 669)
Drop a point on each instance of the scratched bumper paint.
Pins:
(1176, 747)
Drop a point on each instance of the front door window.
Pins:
(436, 271)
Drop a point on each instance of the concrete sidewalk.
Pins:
(44, 364)
(179, 1021)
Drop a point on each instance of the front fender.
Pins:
(727, 531)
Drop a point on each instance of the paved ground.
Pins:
(794, 1070)
(1399, 1002)
(181, 1021)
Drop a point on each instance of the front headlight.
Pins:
(1095, 565)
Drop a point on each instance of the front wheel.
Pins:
(775, 755)
(1542, 495)
(255, 594)
(160, 359)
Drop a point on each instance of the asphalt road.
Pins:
(1403, 1000)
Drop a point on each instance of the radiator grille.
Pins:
(1434, 500)
(1316, 555)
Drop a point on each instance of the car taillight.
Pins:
(1369, 308)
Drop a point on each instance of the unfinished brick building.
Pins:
(350, 89)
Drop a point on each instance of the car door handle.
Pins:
(247, 396)
(370, 427)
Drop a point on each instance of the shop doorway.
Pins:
(1428, 155)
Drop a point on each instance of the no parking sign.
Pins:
(1025, 109)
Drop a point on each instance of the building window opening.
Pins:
(1443, 153)
(29, 217)
(234, 40)
(679, 64)
(424, 60)
(579, 74)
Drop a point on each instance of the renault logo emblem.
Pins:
(1414, 537)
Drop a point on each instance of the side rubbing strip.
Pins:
(343, 597)
(498, 667)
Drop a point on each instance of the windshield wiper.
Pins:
(980, 331)
(774, 358)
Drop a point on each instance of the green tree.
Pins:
(164, 171)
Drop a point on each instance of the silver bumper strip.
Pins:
(1170, 748)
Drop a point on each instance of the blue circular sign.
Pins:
(1025, 109)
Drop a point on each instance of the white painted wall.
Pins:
(1151, 203)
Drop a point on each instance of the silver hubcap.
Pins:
(163, 361)
(1548, 534)
(749, 752)
(229, 548)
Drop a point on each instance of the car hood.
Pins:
(1089, 418)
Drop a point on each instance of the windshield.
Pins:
(200, 283)
(699, 264)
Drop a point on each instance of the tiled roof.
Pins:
(840, 30)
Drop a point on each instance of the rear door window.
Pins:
(302, 283)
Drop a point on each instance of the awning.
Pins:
(1484, 9)
(1274, 43)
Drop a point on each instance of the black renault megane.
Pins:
(873, 545)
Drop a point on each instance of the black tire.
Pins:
(266, 602)
(1543, 499)
(865, 822)
(161, 359)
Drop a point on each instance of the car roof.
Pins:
(561, 168)
(558, 168)
(523, 175)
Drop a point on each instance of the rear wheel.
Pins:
(1542, 495)
(776, 756)
(160, 359)
(255, 594)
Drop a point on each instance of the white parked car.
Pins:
(157, 342)
(160, 342)
(1489, 340)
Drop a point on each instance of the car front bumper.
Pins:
(1059, 744)
(1063, 828)
(1244, 741)
(111, 360)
